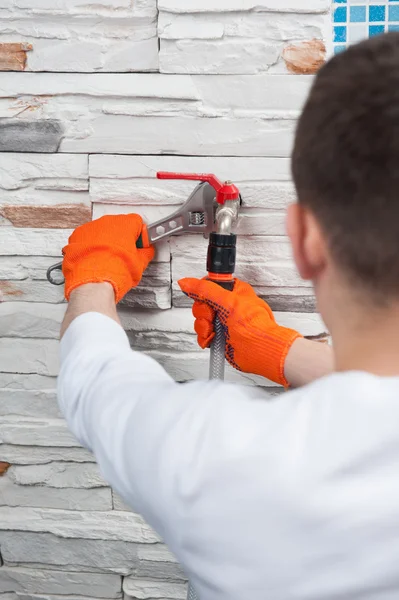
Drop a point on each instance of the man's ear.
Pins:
(307, 241)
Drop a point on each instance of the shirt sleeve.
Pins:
(150, 435)
(156, 441)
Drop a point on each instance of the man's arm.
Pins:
(164, 447)
(91, 297)
(306, 360)
(255, 342)
(156, 441)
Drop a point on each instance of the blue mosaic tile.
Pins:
(393, 27)
(339, 34)
(377, 13)
(393, 13)
(340, 14)
(357, 14)
(376, 30)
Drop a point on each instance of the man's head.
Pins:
(345, 166)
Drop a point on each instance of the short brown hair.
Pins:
(346, 160)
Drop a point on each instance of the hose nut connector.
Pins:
(221, 254)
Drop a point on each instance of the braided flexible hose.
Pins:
(191, 594)
(216, 371)
(217, 361)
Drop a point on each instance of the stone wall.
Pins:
(94, 99)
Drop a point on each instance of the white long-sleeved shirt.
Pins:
(296, 498)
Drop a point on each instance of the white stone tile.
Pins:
(34, 581)
(117, 526)
(46, 497)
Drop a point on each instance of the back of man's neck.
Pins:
(372, 347)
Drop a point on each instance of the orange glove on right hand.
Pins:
(254, 341)
(105, 250)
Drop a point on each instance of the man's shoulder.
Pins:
(352, 405)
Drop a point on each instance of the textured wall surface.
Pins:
(94, 99)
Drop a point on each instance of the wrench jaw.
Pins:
(196, 215)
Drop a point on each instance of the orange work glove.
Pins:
(105, 250)
(254, 341)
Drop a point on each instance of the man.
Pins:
(299, 497)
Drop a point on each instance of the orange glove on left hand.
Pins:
(105, 250)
